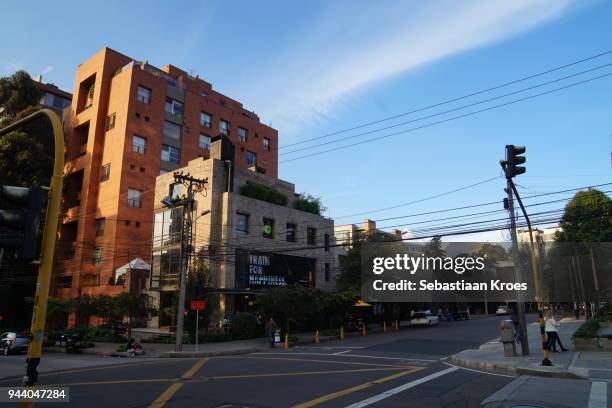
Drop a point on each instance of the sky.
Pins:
(314, 68)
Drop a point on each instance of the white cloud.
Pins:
(348, 49)
(47, 69)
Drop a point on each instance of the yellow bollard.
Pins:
(317, 337)
(341, 333)
(286, 343)
(384, 326)
(363, 330)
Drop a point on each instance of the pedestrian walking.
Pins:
(271, 328)
(552, 333)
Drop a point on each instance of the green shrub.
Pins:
(263, 193)
(121, 348)
(310, 204)
(246, 326)
(589, 328)
(102, 334)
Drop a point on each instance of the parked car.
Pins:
(425, 318)
(502, 310)
(13, 342)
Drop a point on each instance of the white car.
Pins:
(425, 318)
(502, 310)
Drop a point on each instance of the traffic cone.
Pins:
(341, 333)
(317, 338)
(286, 343)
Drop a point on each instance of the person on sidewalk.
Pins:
(271, 327)
(552, 333)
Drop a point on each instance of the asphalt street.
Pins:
(394, 369)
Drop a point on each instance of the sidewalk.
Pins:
(571, 364)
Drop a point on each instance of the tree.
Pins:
(131, 305)
(587, 218)
(434, 248)
(26, 155)
(58, 311)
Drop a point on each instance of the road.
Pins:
(395, 369)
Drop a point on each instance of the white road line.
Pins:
(341, 352)
(599, 395)
(401, 388)
(480, 372)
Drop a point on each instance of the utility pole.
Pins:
(193, 185)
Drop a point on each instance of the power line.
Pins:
(433, 115)
(451, 100)
(449, 119)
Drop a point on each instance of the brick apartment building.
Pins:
(128, 123)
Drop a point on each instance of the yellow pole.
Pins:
(286, 343)
(317, 337)
(341, 332)
(41, 296)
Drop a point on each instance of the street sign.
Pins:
(197, 305)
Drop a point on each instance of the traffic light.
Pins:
(513, 159)
(20, 213)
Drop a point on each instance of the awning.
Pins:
(134, 264)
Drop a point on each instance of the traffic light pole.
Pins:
(41, 296)
(520, 301)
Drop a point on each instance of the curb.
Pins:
(491, 367)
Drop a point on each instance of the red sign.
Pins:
(198, 304)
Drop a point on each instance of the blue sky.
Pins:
(319, 67)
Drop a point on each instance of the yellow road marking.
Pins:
(189, 373)
(166, 395)
(105, 367)
(357, 370)
(173, 388)
(356, 388)
(331, 362)
(115, 382)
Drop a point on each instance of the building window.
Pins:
(224, 127)
(326, 241)
(176, 190)
(134, 198)
(251, 158)
(171, 154)
(327, 272)
(311, 236)
(242, 223)
(64, 281)
(167, 227)
(105, 172)
(139, 144)
(204, 142)
(97, 256)
(266, 144)
(243, 134)
(267, 230)
(291, 232)
(144, 94)
(172, 130)
(110, 122)
(174, 107)
(206, 119)
(100, 226)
